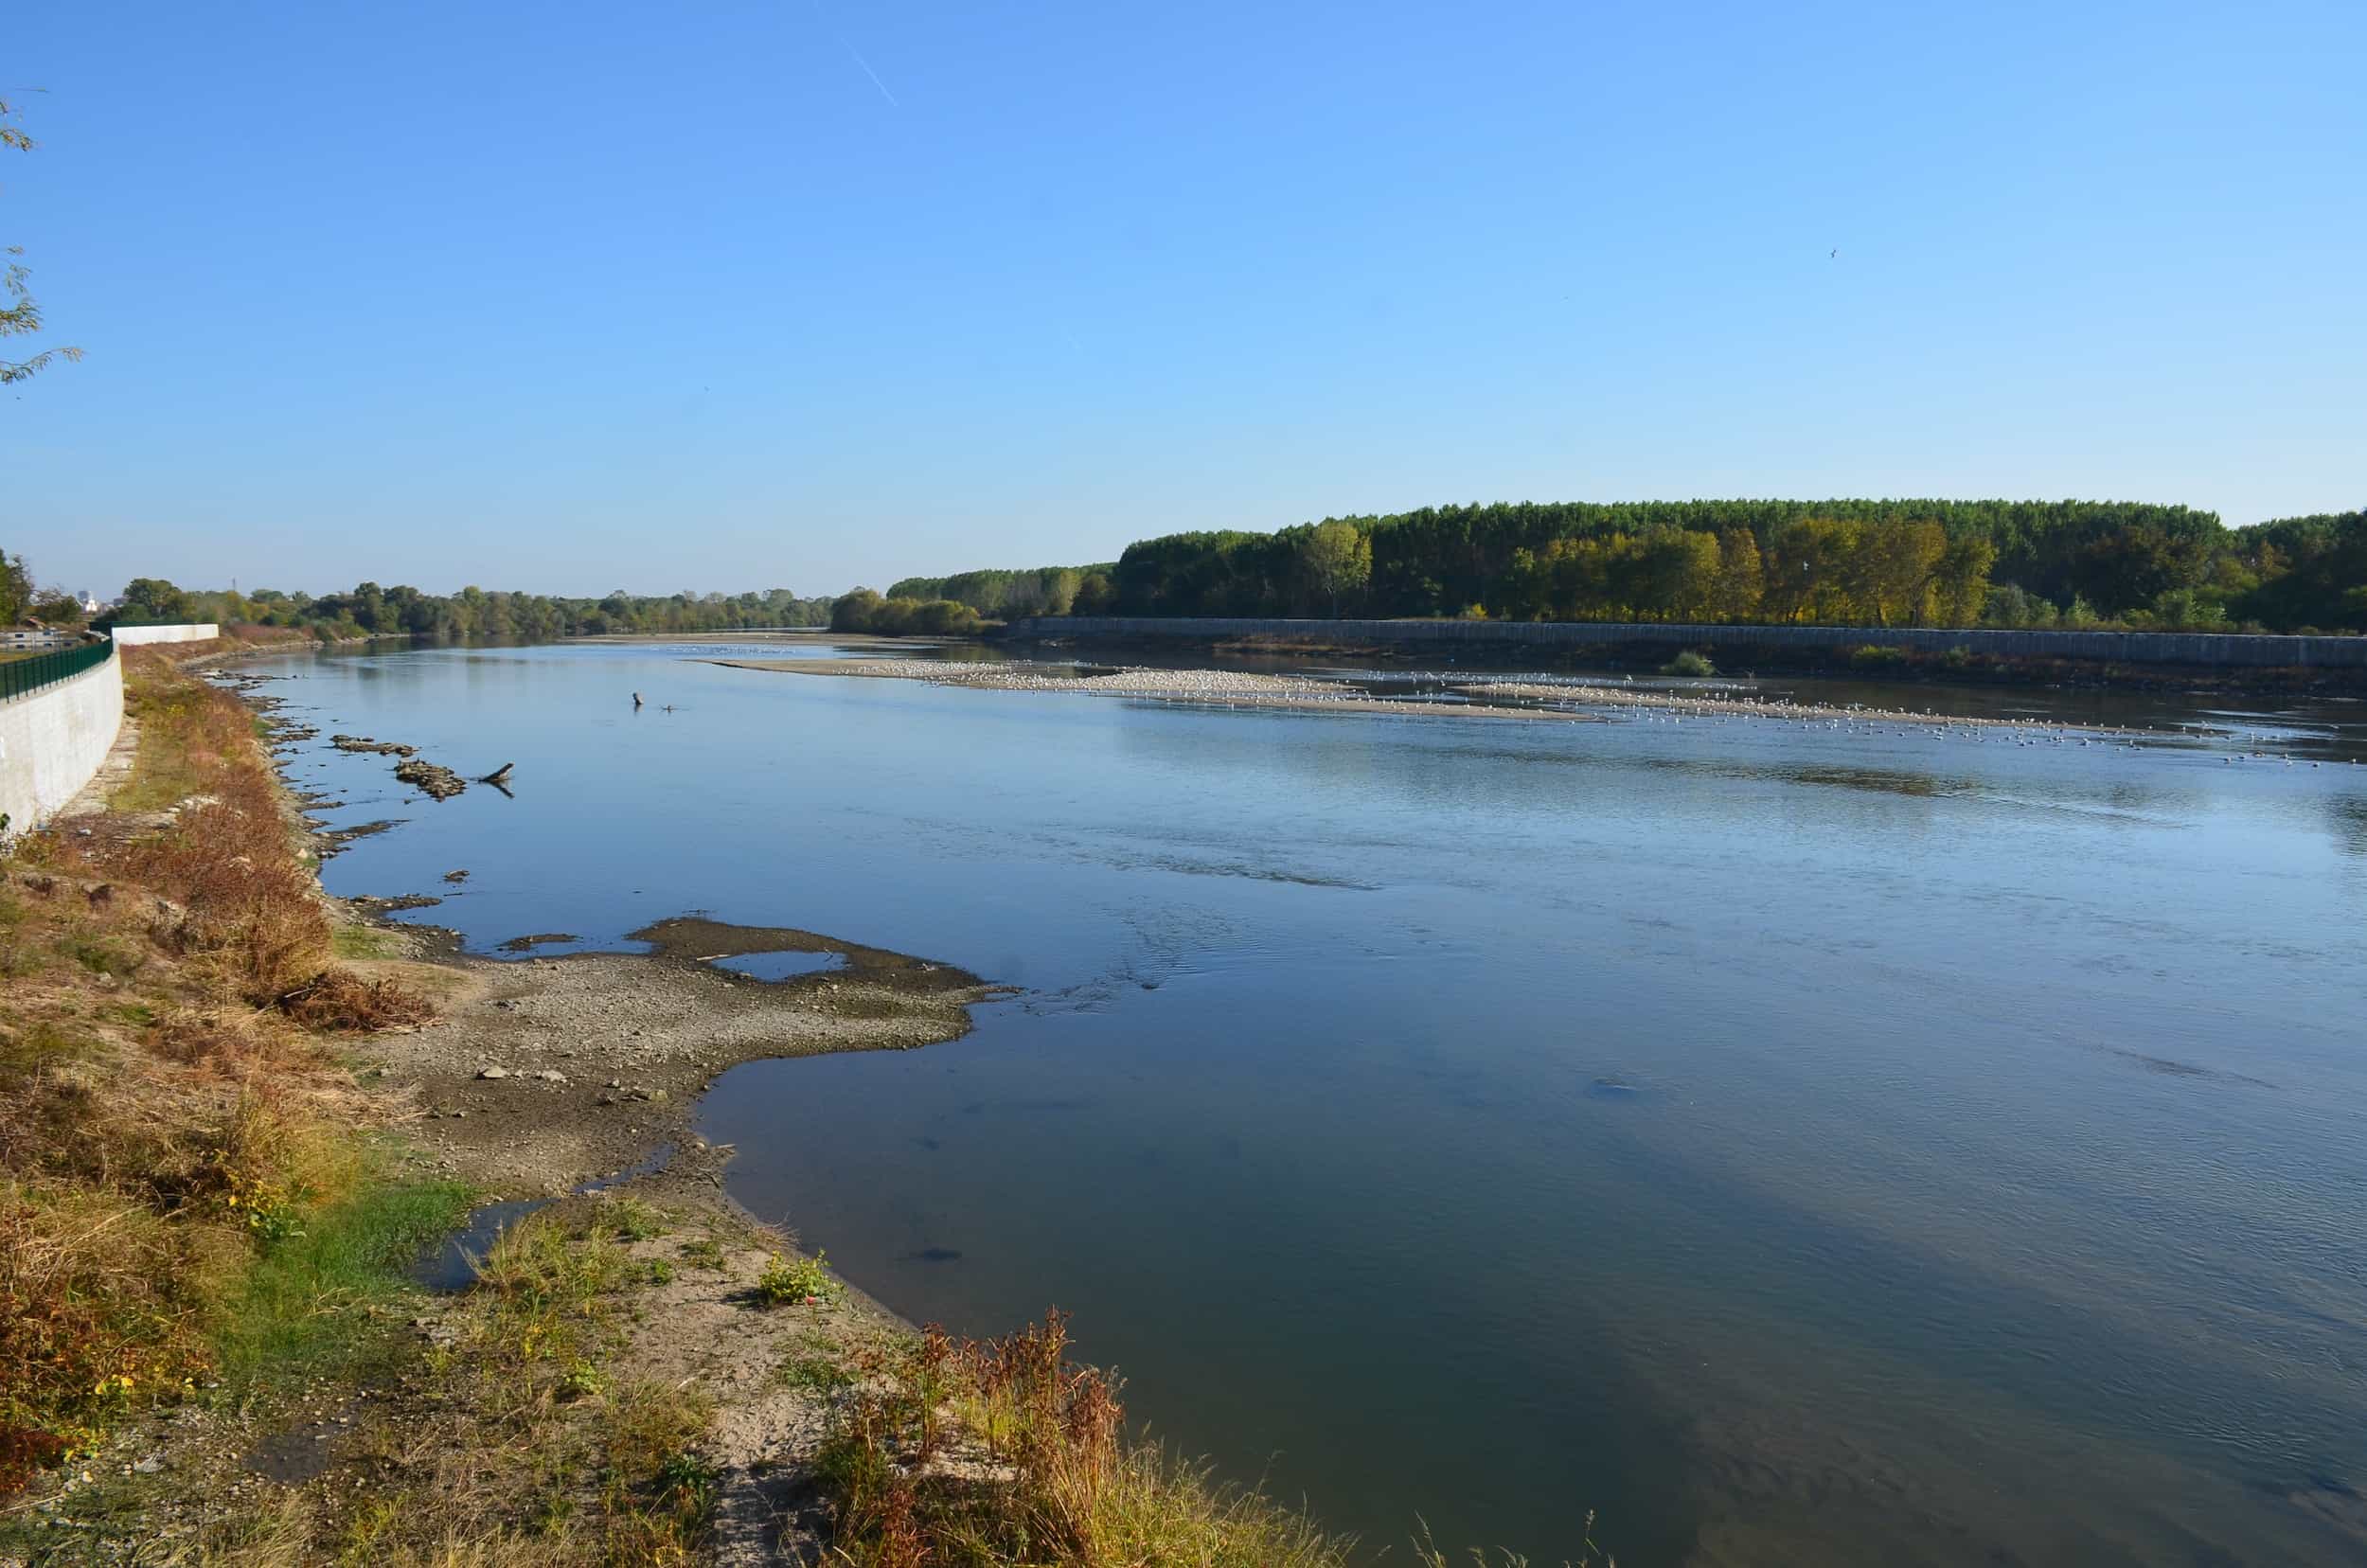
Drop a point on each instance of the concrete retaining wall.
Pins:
(52, 741)
(2172, 648)
(132, 636)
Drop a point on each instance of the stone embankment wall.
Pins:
(134, 636)
(53, 738)
(2162, 648)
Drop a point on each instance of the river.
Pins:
(1788, 1144)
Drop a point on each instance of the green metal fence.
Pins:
(21, 676)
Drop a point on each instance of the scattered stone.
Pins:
(407, 900)
(541, 938)
(549, 1076)
(493, 1072)
(431, 779)
(364, 744)
(456, 876)
(336, 839)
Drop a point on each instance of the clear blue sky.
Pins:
(570, 296)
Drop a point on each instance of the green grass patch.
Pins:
(300, 1312)
(1874, 656)
(635, 1220)
(37, 1046)
(166, 769)
(820, 1372)
(102, 958)
(362, 941)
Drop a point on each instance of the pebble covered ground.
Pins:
(1490, 696)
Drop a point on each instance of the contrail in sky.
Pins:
(869, 72)
(855, 55)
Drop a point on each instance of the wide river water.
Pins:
(1793, 1145)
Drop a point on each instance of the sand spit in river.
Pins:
(1203, 688)
(1472, 697)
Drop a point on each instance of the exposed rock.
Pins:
(364, 744)
(431, 778)
(493, 1072)
(408, 900)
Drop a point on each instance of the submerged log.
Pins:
(499, 776)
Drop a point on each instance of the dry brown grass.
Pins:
(167, 1111)
(1003, 1451)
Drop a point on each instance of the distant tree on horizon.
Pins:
(1338, 557)
(154, 598)
(16, 587)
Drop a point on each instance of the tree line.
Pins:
(370, 610)
(2029, 564)
(1004, 595)
(1874, 563)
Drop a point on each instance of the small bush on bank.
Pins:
(1875, 658)
(1691, 662)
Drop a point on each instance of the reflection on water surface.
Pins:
(1797, 1145)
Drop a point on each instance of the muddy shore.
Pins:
(539, 1075)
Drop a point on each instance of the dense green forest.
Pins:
(2010, 563)
(902, 615)
(1007, 596)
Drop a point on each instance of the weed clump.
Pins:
(798, 1281)
(1690, 662)
(1003, 1450)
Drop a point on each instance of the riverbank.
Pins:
(640, 1373)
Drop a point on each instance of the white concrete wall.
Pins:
(53, 740)
(132, 636)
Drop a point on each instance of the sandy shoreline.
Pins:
(541, 1074)
(1477, 697)
(1223, 688)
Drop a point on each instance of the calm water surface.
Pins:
(1795, 1145)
